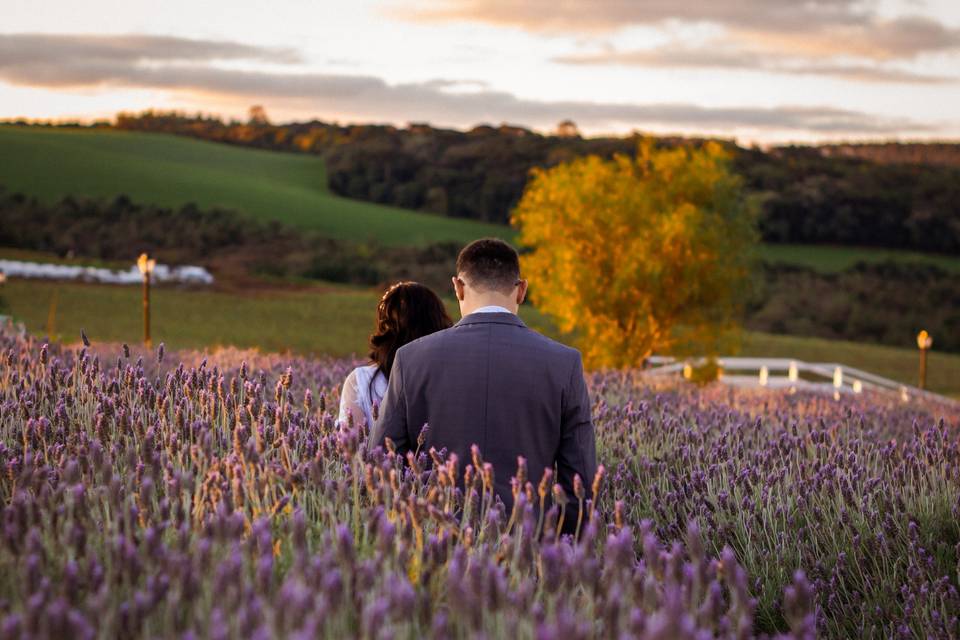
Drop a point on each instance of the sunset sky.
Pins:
(757, 70)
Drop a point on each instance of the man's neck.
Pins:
(499, 301)
(493, 308)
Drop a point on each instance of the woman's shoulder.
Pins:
(364, 373)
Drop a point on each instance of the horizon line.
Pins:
(111, 121)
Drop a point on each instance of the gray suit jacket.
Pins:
(491, 381)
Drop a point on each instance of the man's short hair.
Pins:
(489, 264)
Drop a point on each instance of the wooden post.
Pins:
(146, 310)
(923, 368)
(924, 342)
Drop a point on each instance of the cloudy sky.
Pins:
(757, 70)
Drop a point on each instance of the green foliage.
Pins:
(831, 259)
(810, 197)
(222, 240)
(479, 174)
(894, 196)
(636, 255)
(886, 303)
(945, 154)
(170, 171)
(703, 372)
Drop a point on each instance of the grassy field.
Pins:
(829, 259)
(333, 321)
(337, 320)
(171, 171)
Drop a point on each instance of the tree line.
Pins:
(234, 247)
(863, 195)
(881, 303)
(942, 153)
(809, 198)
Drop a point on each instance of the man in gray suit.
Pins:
(491, 381)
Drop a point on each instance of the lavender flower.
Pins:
(187, 497)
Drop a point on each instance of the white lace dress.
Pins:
(359, 396)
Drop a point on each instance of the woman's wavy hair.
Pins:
(407, 311)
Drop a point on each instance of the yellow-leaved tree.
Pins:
(637, 255)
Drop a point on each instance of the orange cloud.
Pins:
(823, 29)
(75, 62)
(731, 58)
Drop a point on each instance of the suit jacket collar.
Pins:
(491, 318)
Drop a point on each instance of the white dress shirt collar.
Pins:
(492, 309)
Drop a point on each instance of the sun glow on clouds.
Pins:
(760, 70)
(31, 103)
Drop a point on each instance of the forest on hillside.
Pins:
(881, 196)
(885, 303)
(939, 153)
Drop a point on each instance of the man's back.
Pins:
(493, 382)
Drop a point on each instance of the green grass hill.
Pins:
(171, 171)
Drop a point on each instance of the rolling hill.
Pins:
(171, 171)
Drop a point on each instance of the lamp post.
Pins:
(146, 265)
(3, 281)
(924, 342)
(837, 382)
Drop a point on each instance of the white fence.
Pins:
(785, 373)
(186, 274)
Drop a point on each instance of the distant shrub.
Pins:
(886, 303)
(639, 254)
(223, 240)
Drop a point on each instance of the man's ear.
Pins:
(458, 287)
(522, 291)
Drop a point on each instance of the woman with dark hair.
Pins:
(407, 311)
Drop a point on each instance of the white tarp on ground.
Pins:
(162, 273)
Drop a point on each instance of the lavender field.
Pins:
(168, 495)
